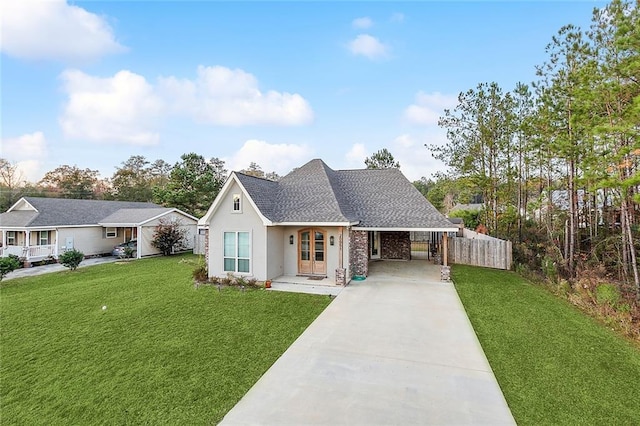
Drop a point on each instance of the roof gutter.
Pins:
(387, 229)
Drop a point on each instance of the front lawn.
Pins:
(162, 352)
(554, 364)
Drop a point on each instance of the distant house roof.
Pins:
(66, 212)
(365, 198)
(468, 207)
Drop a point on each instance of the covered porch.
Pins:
(30, 245)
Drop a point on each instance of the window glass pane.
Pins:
(236, 202)
(304, 255)
(320, 256)
(229, 265)
(243, 265)
(243, 245)
(229, 244)
(319, 236)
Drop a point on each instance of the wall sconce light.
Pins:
(290, 239)
(332, 240)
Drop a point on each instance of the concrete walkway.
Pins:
(396, 348)
(55, 267)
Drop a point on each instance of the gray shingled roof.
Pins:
(67, 212)
(131, 216)
(316, 193)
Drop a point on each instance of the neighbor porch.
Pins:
(29, 245)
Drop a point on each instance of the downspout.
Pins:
(340, 249)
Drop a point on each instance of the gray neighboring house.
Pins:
(315, 222)
(36, 228)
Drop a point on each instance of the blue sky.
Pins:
(91, 83)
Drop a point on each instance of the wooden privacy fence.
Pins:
(480, 250)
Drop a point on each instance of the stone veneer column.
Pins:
(359, 252)
(341, 276)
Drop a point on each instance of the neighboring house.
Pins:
(315, 221)
(593, 206)
(37, 228)
(474, 207)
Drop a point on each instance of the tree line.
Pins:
(556, 163)
(190, 184)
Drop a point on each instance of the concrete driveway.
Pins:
(396, 348)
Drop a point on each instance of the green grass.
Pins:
(162, 352)
(554, 364)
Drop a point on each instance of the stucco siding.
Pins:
(275, 251)
(226, 220)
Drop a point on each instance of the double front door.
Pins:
(312, 246)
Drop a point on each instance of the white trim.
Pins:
(313, 224)
(53, 227)
(22, 199)
(370, 228)
(233, 203)
(206, 219)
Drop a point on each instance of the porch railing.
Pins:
(29, 253)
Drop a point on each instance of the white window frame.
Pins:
(111, 232)
(238, 198)
(11, 238)
(236, 258)
(40, 239)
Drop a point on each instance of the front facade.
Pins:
(314, 222)
(36, 229)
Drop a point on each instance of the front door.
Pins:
(312, 252)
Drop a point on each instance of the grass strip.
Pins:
(555, 365)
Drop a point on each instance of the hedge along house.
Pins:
(315, 222)
(37, 228)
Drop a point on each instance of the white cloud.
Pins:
(368, 46)
(397, 17)
(429, 107)
(53, 29)
(362, 23)
(281, 158)
(356, 155)
(415, 159)
(126, 108)
(223, 96)
(28, 153)
(122, 108)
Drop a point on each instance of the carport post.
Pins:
(445, 249)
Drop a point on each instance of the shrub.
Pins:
(169, 236)
(200, 274)
(71, 259)
(8, 264)
(607, 294)
(128, 252)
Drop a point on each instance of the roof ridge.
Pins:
(255, 177)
